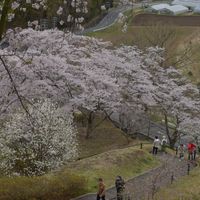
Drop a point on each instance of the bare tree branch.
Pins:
(14, 86)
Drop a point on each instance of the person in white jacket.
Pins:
(164, 144)
(156, 145)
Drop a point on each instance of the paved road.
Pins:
(109, 19)
(112, 16)
(146, 184)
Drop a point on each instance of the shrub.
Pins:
(32, 145)
(63, 186)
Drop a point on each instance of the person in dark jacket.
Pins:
(120, 187)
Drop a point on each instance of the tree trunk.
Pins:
(97, 5)
(126, 135)
(171, 143)
(118, 125)
(3, 20)
(89, 125)
(172, 138)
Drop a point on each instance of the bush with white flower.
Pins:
(32, 144)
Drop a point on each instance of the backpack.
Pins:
(120, 184)
(164, 142)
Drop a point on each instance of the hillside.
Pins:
(182, 38)
(127, 162)
(104, 138)
(112, 157)
(184, 44)
(60, 93)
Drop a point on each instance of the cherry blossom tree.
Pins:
(70, 13)
(152, 86)
(90, 75)
(72, 83)
(177, 99)
(181, 110)
(33, 146)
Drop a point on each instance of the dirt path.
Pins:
(148, 183)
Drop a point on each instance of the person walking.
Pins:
(181, 150)
(191, 151)
(164, 144)
(194, 152)
(156, 145)
(101, 190)
(120, 187)
(189, 148)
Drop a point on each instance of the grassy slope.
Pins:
(183, 36)
(194, 38)
(187, 188)
(79, 177)
(127, 162)
(120, 160)
(110, 155)
(117, 37)
(104, 138)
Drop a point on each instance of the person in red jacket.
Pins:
(191, 151)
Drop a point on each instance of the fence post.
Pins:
(141, 145)
(194, 156)
(176, 151)
(172, 178)
(149, 127)
(188, 169)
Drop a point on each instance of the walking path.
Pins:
(148, 183)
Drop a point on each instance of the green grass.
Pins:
(117, 37)
(127, 162)
(79, 177)
(114, 33)
(62, 186)
(108, 154)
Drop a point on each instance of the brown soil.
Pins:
(150, 19)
